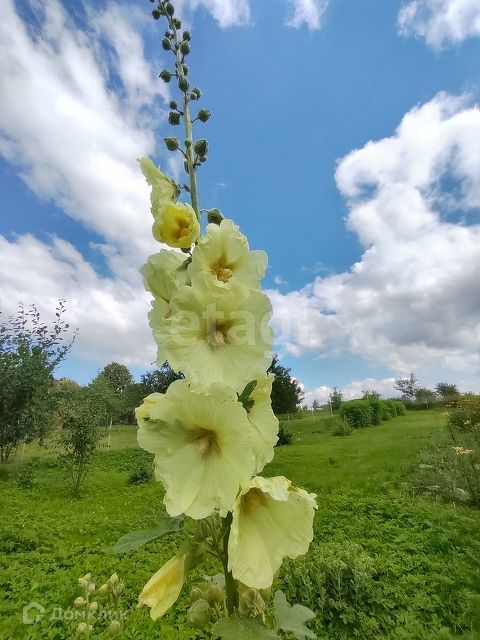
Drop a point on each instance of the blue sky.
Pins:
(344, 141)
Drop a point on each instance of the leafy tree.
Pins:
(369, 393)
(116, 376)
(425, 396)
(84, 424)
(336, 399)
(30, 350)
(118, 390)
(158, 380)
(447, 390)
(407, 386)
(286, 392)
(315, 405)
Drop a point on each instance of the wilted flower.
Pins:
(201, 442)
(176, 224)
(163, 588)
(272, 520)
(224, 255)
(223, 332)
(163, 189)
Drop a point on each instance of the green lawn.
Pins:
(383, 564)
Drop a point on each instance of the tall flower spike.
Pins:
(202, 448)
(272, 520)
(223, 253)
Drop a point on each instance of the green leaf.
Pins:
(136, 539)
(244, 397)
(292, 618)
(242, 629)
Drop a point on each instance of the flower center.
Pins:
(221, 270)
(253, 500)
(182, 228)
(206, 441)
(217, 334)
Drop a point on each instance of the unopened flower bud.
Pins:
(214, 593)
(83, 627)
(114, 626)
(199, 614)
(177, 23)
(195, 594)
(156, 14)
(93, 607)
(204, 115)
(174, 117)
(166, 44)
(184, 47)
(188, 143)
(187, 36)
(183, 84)
(201, 148)
(171, 143)
(173, 105)
(104, 588)
(185, 69)
(185, 166)
(169, 9)
(203, 159)
(166, 75)
(113, 579)
(91, 587)
(197, 91)
(79, 602)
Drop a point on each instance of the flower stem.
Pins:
(230, 586)
(189, 152)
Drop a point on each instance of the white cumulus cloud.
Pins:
(309, 12)
(412, 302)
(440, 22)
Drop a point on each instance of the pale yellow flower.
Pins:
(163, 189)
(163, 273)
(163, 588)
(176, 224)
(263, 421)
(220, 332)
(202, 447)
(224, 255)
(272, 520)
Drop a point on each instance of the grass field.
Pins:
(384, 564)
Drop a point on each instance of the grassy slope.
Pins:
(423, 558)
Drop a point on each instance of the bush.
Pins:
(338, 426)
(389, 409)
(376, 405)
(140, 475)
(26, 475)
(400, 407)
(284, 437)
(465, 413)
(358, 413)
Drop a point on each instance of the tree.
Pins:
(424, 395)
(158, 380)
(315, 405)
(84, 424)
(115, 385)
(370, 393)
(286, 392)
(336, 399)
(30, 350)
(447, 390)
(116, 376)
(407, 386)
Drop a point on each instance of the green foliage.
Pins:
(465, 413)
(140, 475)
(242, 629)
(292, 618)
(25, 478)
(120, 394)
(30, 350)
(158, 380)
(136, 539)
(447, 390)
(336, 399)
(358, 413)
(339, 426)
(84, 425)
(400, 407)
(389, 409)
(376, 406)
(286, 392)
(284, 436)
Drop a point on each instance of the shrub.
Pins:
(389, 409)
(140, 475)
(400, 407)
(284, 437)
(26, 475)
(339, 427)
(376, 405)
(358, 413)
(465, 413)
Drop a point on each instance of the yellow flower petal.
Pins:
(202, 447)
(271, 520)
(176, 224)
(224, 332)
(224, 255)
(263, 420)
(163, 273)
(163, 189)
(163, 588)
